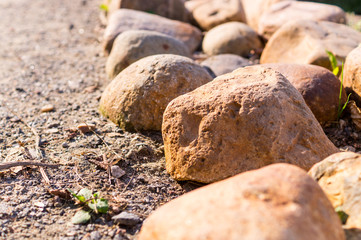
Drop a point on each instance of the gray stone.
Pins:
(126, 218)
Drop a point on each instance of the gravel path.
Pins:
(51, 55)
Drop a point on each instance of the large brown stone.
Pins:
(173, 9)
(319, 87)
(254, 9)
(232, 37)
(240, 121)
(125, 19)
(210, 13)
(277, 202)
(130, 46)
(306, 41)
(225, 63)
(352, 74)
(339, 177)
(138, 96)
(282, 12)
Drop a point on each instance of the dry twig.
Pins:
(26, 163)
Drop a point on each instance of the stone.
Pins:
(47, 108)
(352, 74)
(95, 235)
(306, 41)
(126, 218)
(240, 121)
(173, 9)
(339, 177)
(225, 63)
(138, 96)
(130, 46)
(232, 37)
(86, 127)
(254, 9)
(280, 13)
(117, 172)
(211, 13)
(125, 19)
(277, 202)
(318, 86)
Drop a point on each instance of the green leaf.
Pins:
(99, 205)
(104, 7)
(333, 61)
(81, 217)
(79, 197)
(342, 215)
(86, 193)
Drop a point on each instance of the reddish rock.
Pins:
(319, 87)
(306, 42)
(173, 9)
(240, 121)
(211, 13)
(125, 19)
(282, 12)
(278, 202)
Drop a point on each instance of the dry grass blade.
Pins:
(355, 114)
(28, 163)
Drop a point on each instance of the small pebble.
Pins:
(117, 172)
(85, 128)
(126, 218)
(47, 108)
(95, 235)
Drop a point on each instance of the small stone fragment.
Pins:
(95, 235)
(47, 108)
(126, 218)
(85, 128)
(117, 172)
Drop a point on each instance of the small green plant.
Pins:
(341, 214)
(91, 203)
(104, 7)
(336, 70)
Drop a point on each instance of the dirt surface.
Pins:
(50, 53)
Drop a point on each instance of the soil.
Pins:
(51, 55)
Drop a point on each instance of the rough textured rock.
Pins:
(210, 13)
(352, 74)
(306, 41)
(125, 19)
(318, 86)
(233, 37)
(278, 202)
(138, 96)
(282, 12)
(173, 9)
(225, 63)
(130, 46)
(339, 177)
(254, 9)
(240, 121)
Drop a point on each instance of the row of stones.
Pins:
(244, 120)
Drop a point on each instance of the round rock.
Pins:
(240, 121)
(282, 12)
(319, 87)
(138, 96)
(352, 74)
(277, 202)
(233, 37)
(225, 63)
(126, 19)
(339, 177)
(130, 46)
(211, 13)
(306, 41)
(173, 9)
